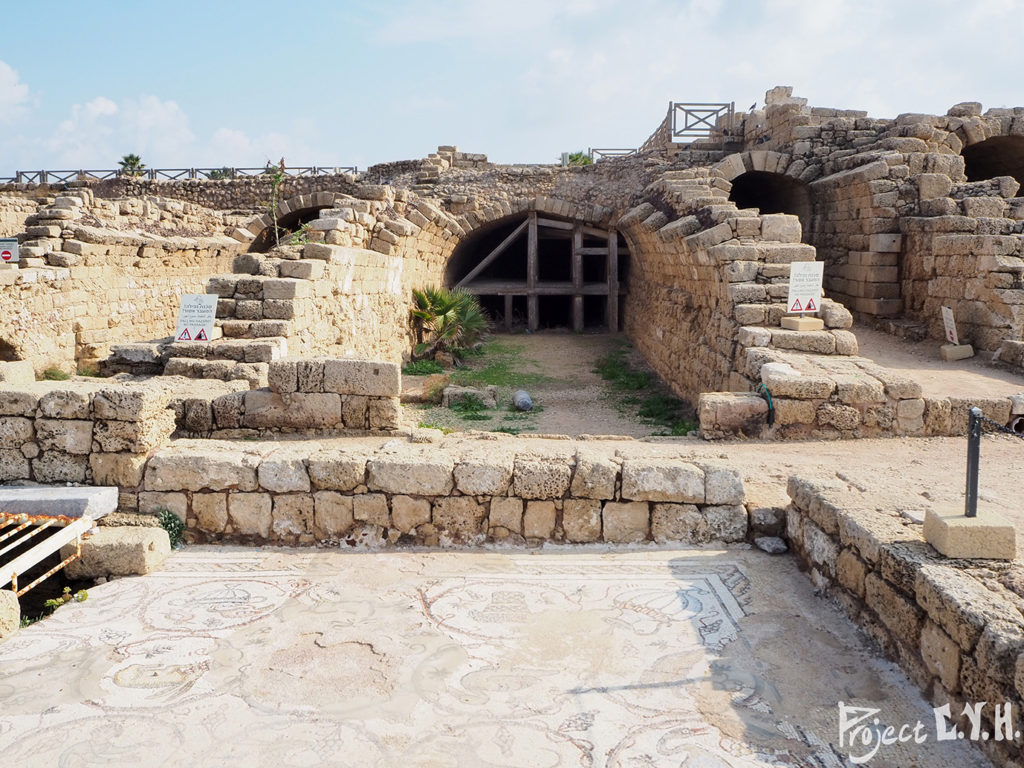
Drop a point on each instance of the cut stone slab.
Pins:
(794, 323)
(10, 613)
(54, 501)
(986, 536)
(951, 352)
(124, 551)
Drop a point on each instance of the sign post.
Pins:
(954, 350)
(196, 318)
(805, 278)
(9, 250)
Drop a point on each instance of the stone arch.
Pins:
(987, 158)
(289, 214)
(763, 179)
(578, 263)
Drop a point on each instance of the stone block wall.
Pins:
(955, 627)
(505, 490)
(13, 213)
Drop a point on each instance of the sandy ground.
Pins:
(561, 657)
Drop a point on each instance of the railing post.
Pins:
(973, 459)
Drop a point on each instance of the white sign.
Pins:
(950, 323)
(195, 320)
(805, 286)
(8, 250)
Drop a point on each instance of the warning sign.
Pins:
(8, 250)
(805, 286)
(950, 323)
(195, 320)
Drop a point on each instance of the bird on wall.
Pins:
(752, 107)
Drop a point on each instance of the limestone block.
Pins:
(16, 403)
(857, 389)
(933, 185)
(625, 522)
(535, 478)
(818, 342)
(581, 519)
(897, 612)
(119, 551)
(484, 474)
(362, 377)
(417, 474)
(384, 413)
(842, 417)
(789, 412)
(250, 513)
(539, 519)
(59, 467)
(846, 343)
(726, 522)
(595, 476)
(885, 243)
(281, 475)
(211, 511)
(282, 376)
(309, 375)
(10, 613)
(225, 469)
(153, 503)
(15, 431)
(460, 516)
(678, 522)
(335, 471)
(731, 413)
(134, 436)
(128, 404)
(227, 410)
(371, 508)
(910, 415)
(662, 480)
(835, 315)
(754, 336)
(506, 513)
(989, 535)
(67, 435)
(292, 514)
(286, 288)
(355, 411)
(781, 227)
(851, 571)
(124, 470)
(408, 513)
(332, 514)
(17, 373)
(299, 410)
(722, 485)
(303, 269)
(65, 404)
(795, 385)
(941, 655)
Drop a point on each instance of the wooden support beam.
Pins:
(532, 304)
(611, 315)
(555, 224)
(493, 254)
(595, 232)
(577, 278)
(602, 251)
(508, 313)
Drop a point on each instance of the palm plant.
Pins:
(132, 165)
(445, 320)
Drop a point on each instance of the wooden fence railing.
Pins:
(169, 174)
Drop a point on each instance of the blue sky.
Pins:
(355, 82)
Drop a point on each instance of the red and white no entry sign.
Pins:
(6, 255)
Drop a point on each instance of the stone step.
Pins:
(262, 350)
(256, 329)
(256, 309)
(224, 370)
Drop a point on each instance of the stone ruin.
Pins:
(685, 247)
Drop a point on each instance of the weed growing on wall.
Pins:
(171, 523)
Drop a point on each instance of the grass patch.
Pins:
(55, 374)
(498, 363)
(422, 368)
(428, 425)
(640, 393)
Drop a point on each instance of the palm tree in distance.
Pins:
(131, 165)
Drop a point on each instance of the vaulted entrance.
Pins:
(544, 272)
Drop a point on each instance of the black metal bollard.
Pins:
(973, 458)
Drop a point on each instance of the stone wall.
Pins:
(955, 627)
(13, 213)
(466, 492)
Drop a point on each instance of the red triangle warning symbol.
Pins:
(201, 336)
(811, 306)
(184, 335)
(796, 306)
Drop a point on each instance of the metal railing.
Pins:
(601, 154)
(168, 174)
(701, 121)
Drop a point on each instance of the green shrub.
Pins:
(422, 368)
(446, 320)
(171, 523)
(54, 373)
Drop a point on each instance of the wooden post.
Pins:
(508, 312)
(532, 306)
(577, 278)
(612, 308)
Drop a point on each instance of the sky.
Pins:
(211, 83)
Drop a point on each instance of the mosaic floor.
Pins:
(289, 658)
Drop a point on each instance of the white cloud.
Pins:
(14, 94)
